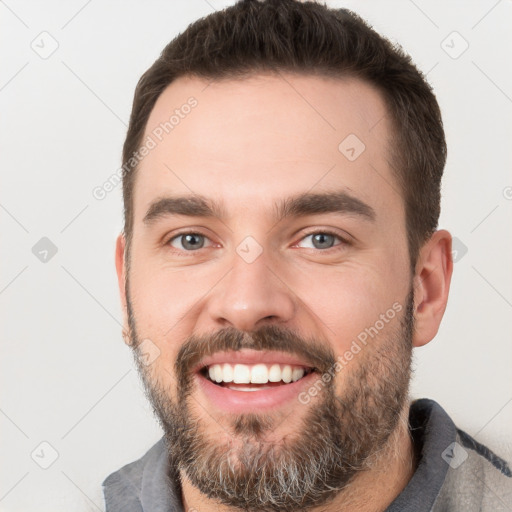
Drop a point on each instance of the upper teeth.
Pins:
(255, 374)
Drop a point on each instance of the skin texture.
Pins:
(247, 145)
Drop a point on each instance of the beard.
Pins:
(340, 435)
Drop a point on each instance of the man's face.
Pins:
(300, 261)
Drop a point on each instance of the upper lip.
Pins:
(250, 357)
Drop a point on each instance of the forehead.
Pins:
(254, 140)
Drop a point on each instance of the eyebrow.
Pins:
(297, 206)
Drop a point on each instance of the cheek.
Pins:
(162, 298)
(165, 303)
(156, 307)
(348, 302)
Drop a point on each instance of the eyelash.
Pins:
(344, 242)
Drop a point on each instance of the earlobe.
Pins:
(431, 286)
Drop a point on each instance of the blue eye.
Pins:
(322, 240)
(188, 241)
(192, 241)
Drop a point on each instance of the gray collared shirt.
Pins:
(455, 473)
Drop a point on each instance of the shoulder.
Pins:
(455, 472)
(477, 478)
(123, 488)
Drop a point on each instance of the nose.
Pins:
(250, 295)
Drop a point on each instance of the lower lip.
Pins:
(230, 400)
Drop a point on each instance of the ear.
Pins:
(121, 280)
(431, 286)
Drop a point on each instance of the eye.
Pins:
(321, 240)
(188, 241)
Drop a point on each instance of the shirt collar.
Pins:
(430, 426)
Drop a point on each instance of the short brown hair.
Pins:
(307, 37)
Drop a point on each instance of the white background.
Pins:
(66, 376)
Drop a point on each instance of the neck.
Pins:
(372, 490)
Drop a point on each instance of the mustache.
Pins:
(268, 337)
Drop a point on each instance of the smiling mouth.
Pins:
(242, 377)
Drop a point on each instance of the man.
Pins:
(279, 262)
